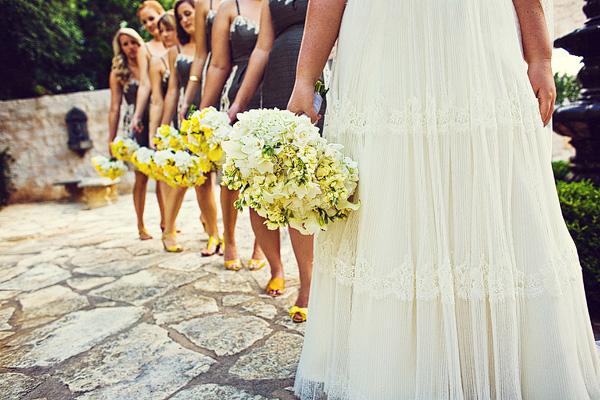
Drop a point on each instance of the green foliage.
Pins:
(6, 185)
(580, 204)
(567, 88)
(58, 46)
(40, 47)
(561, 170)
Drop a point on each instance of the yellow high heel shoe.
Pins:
(296, 311)
(233, 265)
(212, 247)
(175, 248)
(256, 265)
(275, 285)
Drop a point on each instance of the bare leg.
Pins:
(139, 201)
(174, 198)
(208, 206)
(160, 197)
(270, 243)
(228, 197)
(303, 246)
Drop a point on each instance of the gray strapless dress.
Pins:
(288, 20)
(242, 38)
(130, 96)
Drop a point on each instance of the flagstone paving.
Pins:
(87, 311)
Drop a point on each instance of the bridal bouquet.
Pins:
(123, 148)
(203, 132)
(167, 137)
(286, 172)
(109, 167)
(179, 168)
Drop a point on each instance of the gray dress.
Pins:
(130, 95)
(288, 18)
(183, 64)
(243, 34)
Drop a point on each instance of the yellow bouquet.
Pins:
(142, 160)
(180, 168)
(109, 167)
(168, 137)
(123, 148)
(203, 132)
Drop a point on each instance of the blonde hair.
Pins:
(119, 61)
(155, 5)
(167, 20)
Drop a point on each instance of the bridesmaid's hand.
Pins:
(136, 124)
(542, 82)
(185, 106)
(233, 111)
(301, 101)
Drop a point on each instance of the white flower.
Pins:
(287, 172)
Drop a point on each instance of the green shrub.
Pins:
(580, 204)
(6, 185)
(561, 170)
(567, 88)
(53, 46)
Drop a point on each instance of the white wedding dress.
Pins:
(457, 279)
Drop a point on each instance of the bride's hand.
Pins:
(542, 82)
(301, 101)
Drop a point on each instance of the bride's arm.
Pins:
(323, 21)
(537, 50)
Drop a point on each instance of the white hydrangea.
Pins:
(287, 172)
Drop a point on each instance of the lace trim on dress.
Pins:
(240, 20)
(449, 280)
(426, 118)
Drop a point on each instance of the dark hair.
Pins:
(182, 35)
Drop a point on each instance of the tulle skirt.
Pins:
(457, 278)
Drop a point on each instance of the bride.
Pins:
(457, 278)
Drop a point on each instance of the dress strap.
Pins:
(237, 5)
(164, 62)
(210, 5)
(178, 49)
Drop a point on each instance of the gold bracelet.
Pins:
(194, 78)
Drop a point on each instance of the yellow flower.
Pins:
(205, 165)
(215, 154)
(185, 125)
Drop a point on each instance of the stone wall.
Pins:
(568, 15)
(35, 132)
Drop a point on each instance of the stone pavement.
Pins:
(88, 311)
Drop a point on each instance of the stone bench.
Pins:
(72, 188)
(98, 192)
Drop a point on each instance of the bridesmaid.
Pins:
(124, 84)
(274, 58)
(159, 71)
(235, 32)
(201, 59)
(180, 62)
(148, 14)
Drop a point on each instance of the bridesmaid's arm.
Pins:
(143, 93)
(157, 99)
(200, 56)
(257, 63)
(220, 59)
(170, 106)
(116, 95)
(537, 50)
(323, 21)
